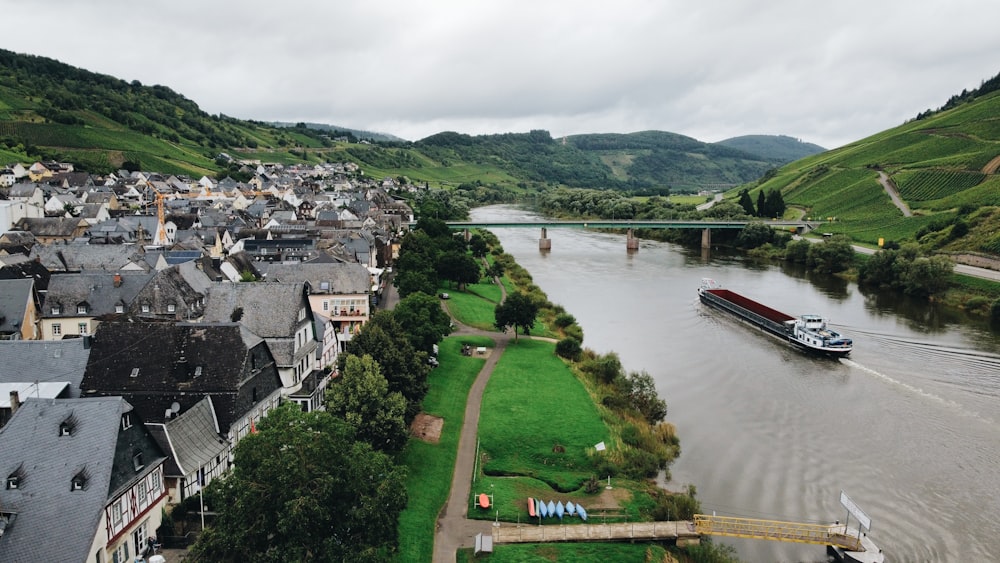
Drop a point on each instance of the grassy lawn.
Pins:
(538, 420)
(431, 465)
(474, 307)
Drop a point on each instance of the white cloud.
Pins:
(827, 74)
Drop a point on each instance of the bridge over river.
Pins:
(629, 225)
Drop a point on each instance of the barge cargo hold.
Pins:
(809, 332)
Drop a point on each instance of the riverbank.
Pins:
(535, 389)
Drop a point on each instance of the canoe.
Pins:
(484, 500)
(543, 511)
(570, 508)
(531, 507)
(552, 508)
(581, 512)
(560, 510)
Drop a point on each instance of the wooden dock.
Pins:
(681, 532)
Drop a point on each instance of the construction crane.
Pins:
(160, 237)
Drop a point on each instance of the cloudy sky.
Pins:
(824, 72)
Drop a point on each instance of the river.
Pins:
(908, 426)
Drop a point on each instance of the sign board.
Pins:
(853, 509)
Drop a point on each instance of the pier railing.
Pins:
(822, 534)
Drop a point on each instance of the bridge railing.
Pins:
(775, 530)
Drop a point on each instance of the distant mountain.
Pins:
(359, 134)
(779, 149)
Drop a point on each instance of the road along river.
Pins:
(908, 426)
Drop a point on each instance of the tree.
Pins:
(406, 369)
(478, 245)
(754, 234)
(831, 256)
(927, 276)
(459, 267)
(496, 269)
(797, 251)
(518, 311)
(761, 204)
(361, 397)
(775, 204)
(569, 348)
(302, 489)
(643, 398)
(423, 321)
(746, 203)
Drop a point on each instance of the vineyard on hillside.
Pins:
(926, 185)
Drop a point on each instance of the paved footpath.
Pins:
(454, 530)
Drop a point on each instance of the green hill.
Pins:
(943, 162)
(778, 149)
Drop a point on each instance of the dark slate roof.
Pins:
(323, 277)
(50, 226)
(54, 523)
(270, 310)
(98, 291)
(14, 298)
(111, 258)
(192, 439)
(44, 361)
(165, 357)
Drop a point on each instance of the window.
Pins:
(81, 309)
(56, 329)
(116, 513)
(83, 328)
(119, 308)
(13, 482)
(120, 554)
(126, 421)
(139, 537)
(56, 310)
(145, 308)
(137, 461)
(326, 305)
(171, 308)
(142, 493)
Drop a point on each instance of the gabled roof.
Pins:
(270, 310)
(44, 361)
(55, 523)
(98, 291)
(107, 257)
(169, 362)
(50, 226)
(193, 439)
(15, 295)
(327, 277)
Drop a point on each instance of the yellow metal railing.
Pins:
(775, 530)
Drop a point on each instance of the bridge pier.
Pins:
(631, 243)
(467, 235)
(545, 243)
(706, 238)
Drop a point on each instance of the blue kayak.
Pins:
(560, 510)
(543, 511)
(570, 508)
(552, 508)
(581, 512)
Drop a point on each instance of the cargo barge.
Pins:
(809, 332)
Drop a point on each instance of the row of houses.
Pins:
(130, 370)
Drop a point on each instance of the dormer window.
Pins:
(66, 427)
(145, 308)
(56, 310)
(13, 482)
(126, 421)
(81, 309)
(171, 308)
(119, 308)
(137, 461)
(135, 372)
(78, 482)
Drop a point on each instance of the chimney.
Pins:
(118, 280)
(15, 402)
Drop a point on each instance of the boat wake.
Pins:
(948, 403)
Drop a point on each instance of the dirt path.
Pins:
(992, 166)
(890, 188)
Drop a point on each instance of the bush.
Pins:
(569, 348)
(640, 464)
(563, 320)
(574, 331)
(975, 303)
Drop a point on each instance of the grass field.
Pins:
(535, 425)
(475, 306)
(431, 465)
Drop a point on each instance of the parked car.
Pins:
(444, 296)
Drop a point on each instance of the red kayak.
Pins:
(484, 500)
(531, 507)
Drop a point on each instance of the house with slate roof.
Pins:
(75, 302)
(175, 293)
(19, 310)
(48, 230)
(338, 291)
(44, 361)
(82, 481)
(197, 450)
(169, 369)
(277, 312)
